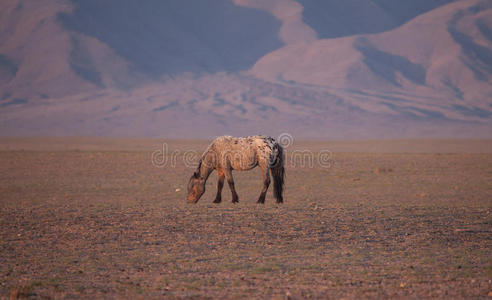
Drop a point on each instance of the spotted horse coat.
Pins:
(227, 153)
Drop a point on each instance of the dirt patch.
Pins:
(111, 224)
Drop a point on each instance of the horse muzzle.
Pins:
(191, 200)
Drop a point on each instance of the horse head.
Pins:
(196, 188)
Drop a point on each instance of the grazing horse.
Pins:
(228, 153)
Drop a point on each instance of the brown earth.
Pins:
(94, 221)
(427, 77)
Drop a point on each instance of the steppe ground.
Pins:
(87, 217)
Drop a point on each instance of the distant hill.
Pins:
(192, 68)
(438, 65)
(333, 19)
(168, 37)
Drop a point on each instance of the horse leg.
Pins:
(266, 184)
(230, 181)
(220, 184)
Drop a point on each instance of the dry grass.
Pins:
(110, 224)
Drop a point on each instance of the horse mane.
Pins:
(197, 172)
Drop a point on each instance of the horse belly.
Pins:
(243, 163)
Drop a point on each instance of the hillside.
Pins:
(316, 69)
(437, 65)
(333, 19)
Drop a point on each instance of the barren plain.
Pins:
(86, 217)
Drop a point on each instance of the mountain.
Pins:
(437, 65)
(122, 44)
(192, 68)
(333, 19)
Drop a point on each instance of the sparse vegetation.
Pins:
(110, 224)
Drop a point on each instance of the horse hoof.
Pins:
(217, 200)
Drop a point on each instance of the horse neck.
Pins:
(207, 165)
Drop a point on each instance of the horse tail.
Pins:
(278, 173)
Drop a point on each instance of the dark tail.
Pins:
(278, 173)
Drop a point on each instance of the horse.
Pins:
(227, 153)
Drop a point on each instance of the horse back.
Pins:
(243, 153)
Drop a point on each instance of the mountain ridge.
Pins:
(428, 77)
